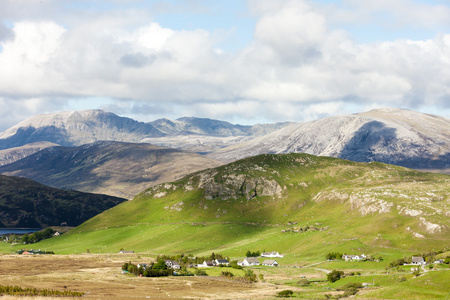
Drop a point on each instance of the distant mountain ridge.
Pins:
(107, 167)
(77, 128)
(394, 136)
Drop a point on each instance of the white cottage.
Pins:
(270, 262)
(418, 260)
(250, 261)
(271, 254)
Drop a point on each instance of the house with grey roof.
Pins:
(418, 260)
(270, 262)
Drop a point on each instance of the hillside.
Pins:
(112, 168)
(394, 136)
(295, 203)
(27, 204)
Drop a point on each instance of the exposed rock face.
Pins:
(235, 186)
(393, 136)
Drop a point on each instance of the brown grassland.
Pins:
(99, 276)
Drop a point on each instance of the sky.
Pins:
(246, 62)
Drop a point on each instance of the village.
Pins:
(180, 264)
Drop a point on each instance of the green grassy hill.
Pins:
(301, 205)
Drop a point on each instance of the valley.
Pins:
(237, 198)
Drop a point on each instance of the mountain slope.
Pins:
(394, 136)
(87, 126)
(113, 168)
(27, 204)
(295, 203)
(204, 135)
(76, 128)
(11, 155)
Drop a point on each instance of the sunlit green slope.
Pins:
(296, 203)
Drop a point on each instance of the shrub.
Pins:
(285, 294)
(250, 276)
(396, 263)
(334, 275)
(227, 274)
(199, 272)
(303, 282)
(351, 285)
(234, 265)
(350, 292)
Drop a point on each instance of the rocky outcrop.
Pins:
(236, 186)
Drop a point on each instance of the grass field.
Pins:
(99, 276)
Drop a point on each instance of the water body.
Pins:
(6, 231)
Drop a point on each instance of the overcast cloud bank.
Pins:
(299, 65)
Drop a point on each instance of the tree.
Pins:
(160, 265)
(25, 239)
(334, 275)
(333, 255)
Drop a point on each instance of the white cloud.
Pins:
(297, 66)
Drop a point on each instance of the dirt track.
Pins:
(99, 277)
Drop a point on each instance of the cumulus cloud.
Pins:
(297, 67)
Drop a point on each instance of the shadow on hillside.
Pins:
(375, 141)
(370, 137)
(29, 135)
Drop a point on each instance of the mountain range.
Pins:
(77, 128)
(98, 151)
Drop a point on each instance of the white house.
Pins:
(175, 265)
(353, 257)
(172, 264)
(418, 260)
(250, 261)
(221, 262)
(271, 254)
(206, 264)
(270, 262)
